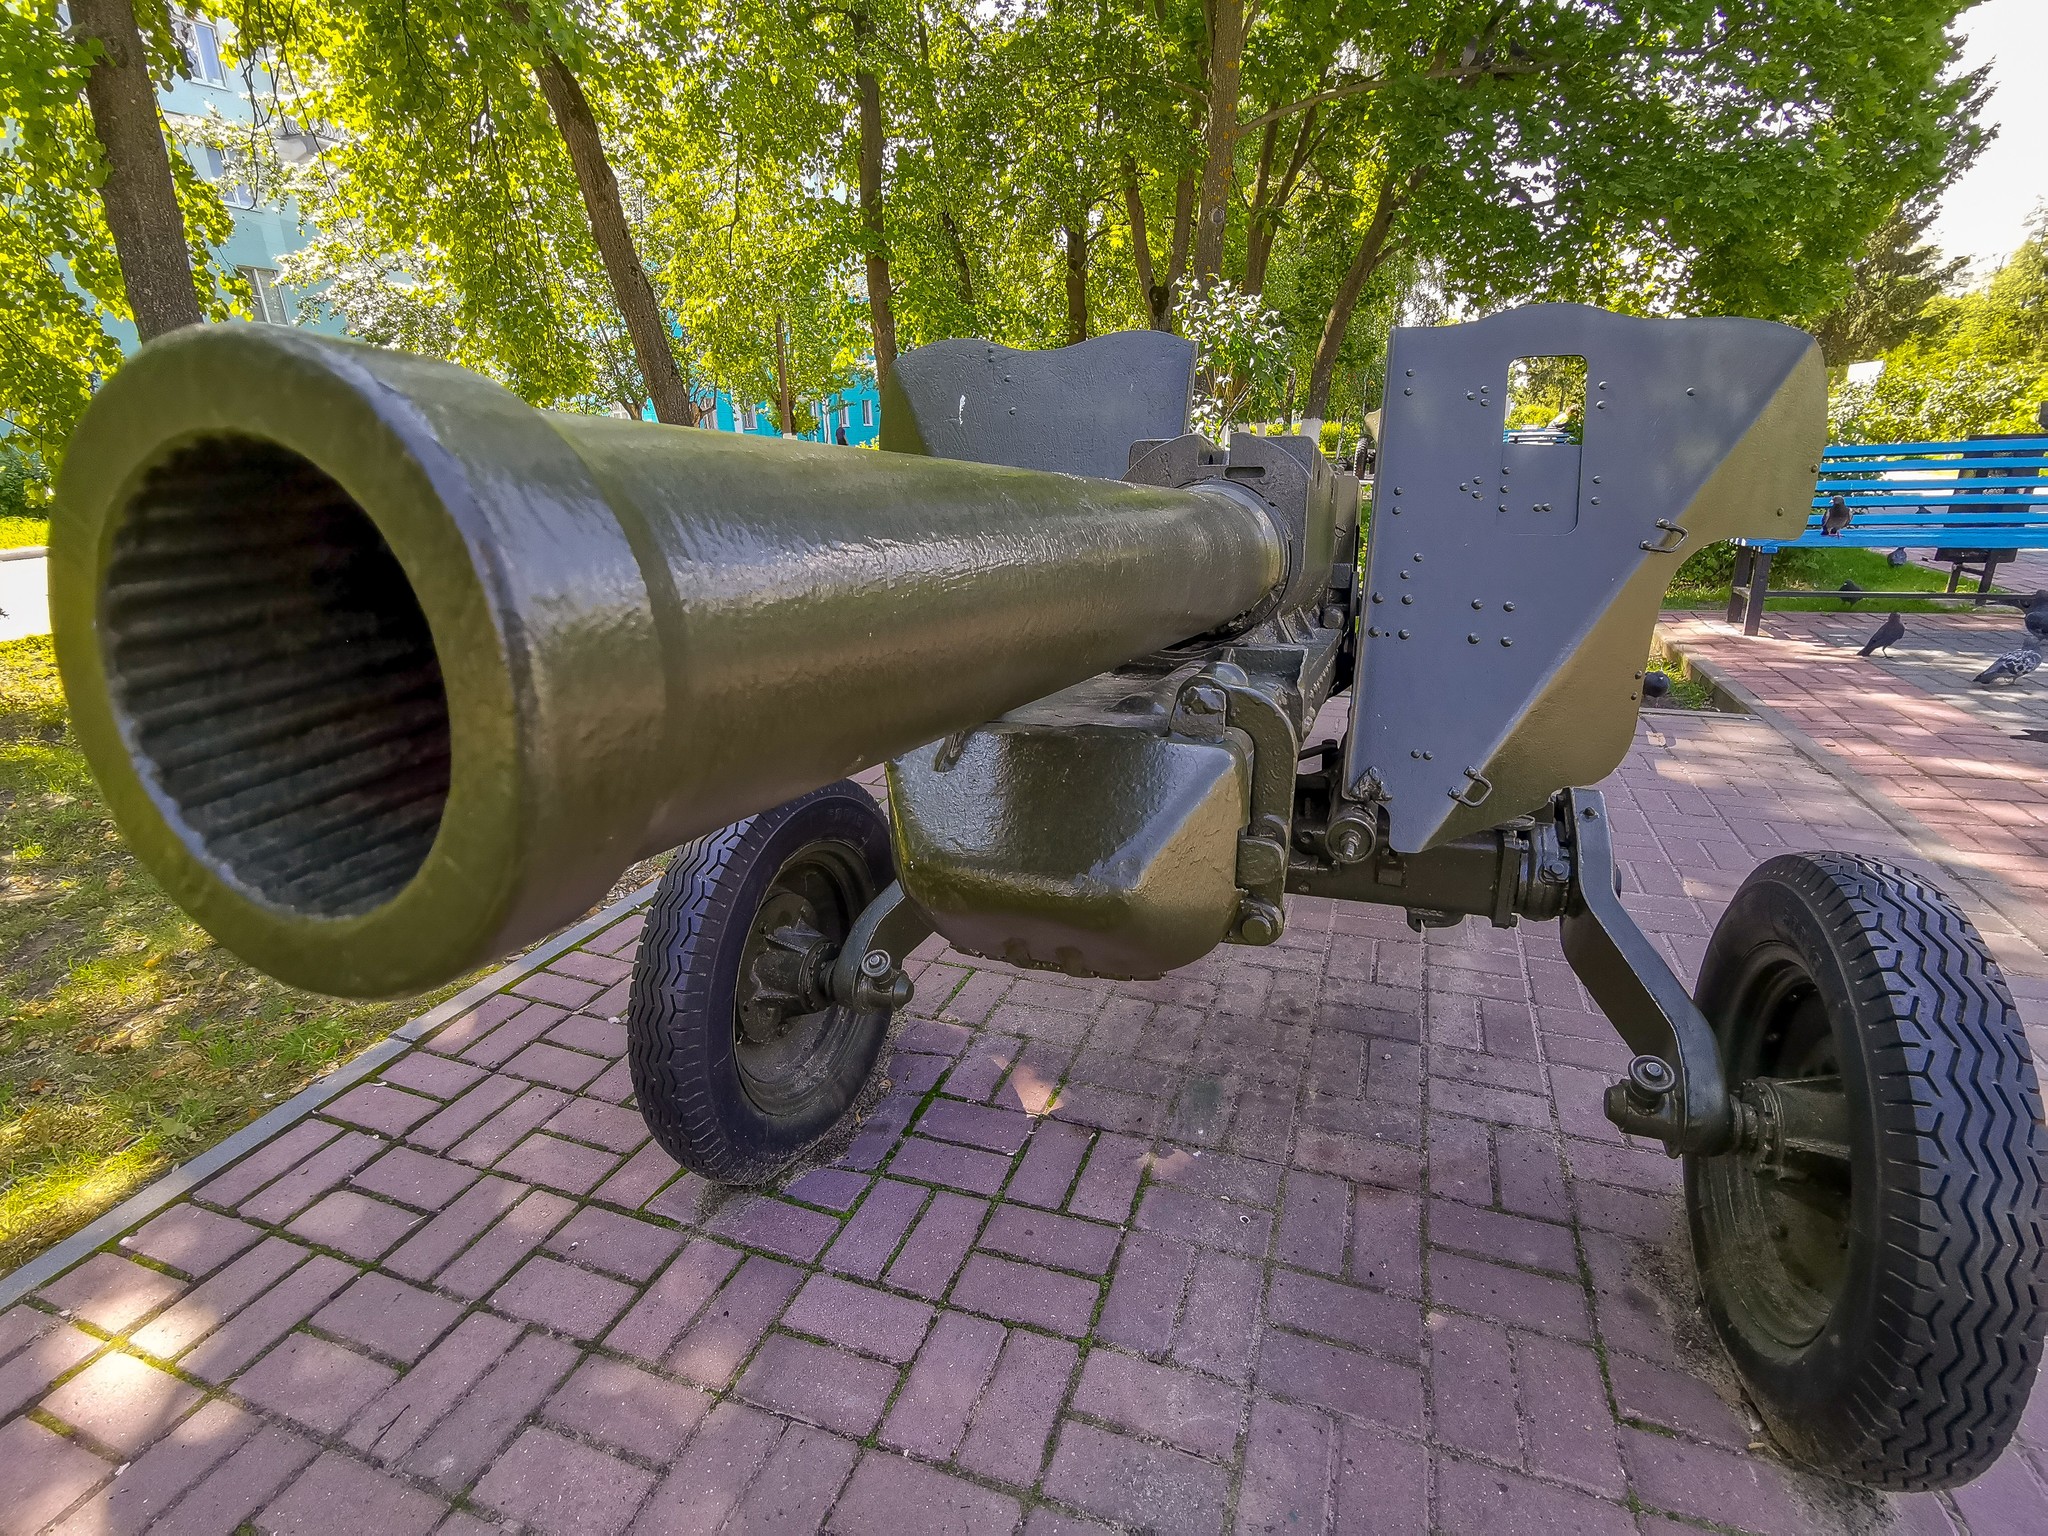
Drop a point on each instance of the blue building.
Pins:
(855, 410)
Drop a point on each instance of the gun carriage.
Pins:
(385, 673)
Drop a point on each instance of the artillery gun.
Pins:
(385, 673)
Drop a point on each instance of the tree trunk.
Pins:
(1371, 249)
(140, 199)
(631, 290)
(1141, 245)
(1219, 137)
(1177, 254)
(962, 268)
(785, 408)
(1077, 284)
(873, 148)
(1269, 204)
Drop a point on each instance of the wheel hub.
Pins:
(782, 974)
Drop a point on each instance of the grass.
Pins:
(1824, 570)
(20, 532)
(128, 1039)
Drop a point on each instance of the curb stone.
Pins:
(187, 1176)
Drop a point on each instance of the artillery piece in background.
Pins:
(385, 674)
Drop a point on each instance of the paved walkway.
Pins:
(1324, 1237)
(1938, 749)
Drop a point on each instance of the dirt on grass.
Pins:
(129, 1040)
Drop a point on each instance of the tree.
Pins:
(1890, 287)
(62, 281)
(470, 159)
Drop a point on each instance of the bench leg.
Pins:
(1759, 583)
(1955, 575)
(1737, 594)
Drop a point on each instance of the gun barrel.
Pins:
(385, 673)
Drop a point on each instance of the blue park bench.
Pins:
(1975, 503)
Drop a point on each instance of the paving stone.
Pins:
(562, 1298)
(929, 1415)
(667, 1307)
(466, 1113)
(562, 991)
(42, 1474)
(937, 1245)
(834, 1188)
(466, 1439)
(458, 1225)
(435, 1076)
(1024, 1293)
(414, 1179)
(619, 1245)
(1051, 1159)
(559, 1486)
(1286, 1482)
(1219, 1324)
(889, 1496)
(1007, 1436)
(822, 1386)
(267, 1162)
(321, 1385)
(1145, 1296)
(110, 1293)
(241, 1485)
(1109, 1179)
(706, 1482)
(733, 1321)
(1205, 1222)
(859, 1317)
(459, 1034)
(339, 1493)
(380, 1107)
(1349, 1314)
(254, 1327)
(1147, 1486)
(396, 1320)
(354, 1224)
(1472, 1372)
(417, 1402)
(965, 1168)
(1508, 1239)
(494, 1255)
(1540, 1302)
(871, 1235)
(122, 1403)
(588, 965)
(153, 1480)
(1344, 1381)
(997, 1130)
(557, 1164)
(542, 1062)
(205, 1307)
(1159, 1402)
(282, 1199)
(1041, 1237)
(642, 1177)
(1489, 1501)
(601, 1124)
(509, 1126)
(638, 1412)
(1706, 1483)
(755, 1221)
(798, 1482)
(191, 1239)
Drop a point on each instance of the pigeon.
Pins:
(2036, 610)
(1851, 594)
(1889, 634)
(2009, 668)
(1897, 558)
(1656, 685)
(1836, 518)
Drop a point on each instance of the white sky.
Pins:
(1984, 214)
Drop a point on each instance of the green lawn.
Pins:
(1705, 584)
(128, 1039)
(19, 532)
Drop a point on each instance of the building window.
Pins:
(750, 419)
(214, 165)
(200, 44)
(264, 298)
(867, 413)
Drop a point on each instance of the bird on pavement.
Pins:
(1889, 634)
(2036, 610)
(2010, 668)
(1837, 516)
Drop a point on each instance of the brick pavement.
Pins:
(1325, 1237)
(1948, 759)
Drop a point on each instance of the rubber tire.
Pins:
(680, 1021)
(1920, 1372)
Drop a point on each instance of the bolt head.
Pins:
(876, 963)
